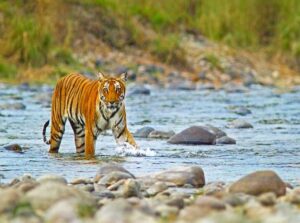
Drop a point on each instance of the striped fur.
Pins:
(91, 106)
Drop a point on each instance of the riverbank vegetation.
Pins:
(47, 35)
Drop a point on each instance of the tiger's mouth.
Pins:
(113, 105)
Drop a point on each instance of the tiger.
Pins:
(91, 107)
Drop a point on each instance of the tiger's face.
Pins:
(112, 91)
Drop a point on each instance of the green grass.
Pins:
(43, 31)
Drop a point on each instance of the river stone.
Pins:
(195, 135)
(226, 140)
(180, 176)
(161, 134)
(108, 168)
(48, 193)
(13, 106)
(113, 177)
(139, 90)
(210, 202)
(240, 110)
(218, 132)
(131, 188)
(14, 147)
(239, 124)
(9, 199)
(258, 183)
(267, 199)
(52, 178)
(120, 211)
(143, 132)
(156, 188)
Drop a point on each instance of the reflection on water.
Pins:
(273, 143)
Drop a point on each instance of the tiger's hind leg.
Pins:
(57, 131)
(79, 136)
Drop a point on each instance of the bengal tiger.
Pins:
(91, 106)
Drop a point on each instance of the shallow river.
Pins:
(273, 143)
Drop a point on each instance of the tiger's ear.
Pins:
(100, 76)
(123, 76)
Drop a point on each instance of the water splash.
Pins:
(128, 150)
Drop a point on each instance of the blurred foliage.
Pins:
(42, 32)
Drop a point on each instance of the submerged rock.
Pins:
(13, 106)
(195, 135)
(143, 132)
(14, 147)
(139, 90)
(240, 110)
(258, 183)
(226, 140)
(183, 175)
(239, 124)
(161, 134)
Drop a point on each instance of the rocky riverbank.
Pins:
(174, 195)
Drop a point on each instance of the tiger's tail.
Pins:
(44, 133)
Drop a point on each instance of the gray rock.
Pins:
(52, 178)
(139, 90)
(210, 202)
(143, 132)
(48, 193)
(258, 183)
(226, 140)
(239, 124)
(156, 188)
(181, 85)
(161, 134)
(13, 106)
(108, 168)
(195, 135)
(180, 176)
(240, 110)
(113, 177)
(9, 199)
(131, 188)
(218, 132)
(14, 147)
(121, 211)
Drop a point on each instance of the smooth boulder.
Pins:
(258, 183)
(239, 124)
(183, 175)
(143, 132)
(195, 135)
(156, 134)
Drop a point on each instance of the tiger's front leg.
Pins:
(90, 141)
(123, 135)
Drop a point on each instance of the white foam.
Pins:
(128, 150)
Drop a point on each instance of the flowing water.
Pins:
(273, 143)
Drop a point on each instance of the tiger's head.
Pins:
(112, 90)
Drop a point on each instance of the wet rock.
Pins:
(52, 178)
(258, 183)
(180, 176)
(202, 87)
(239, 124)
(267, 199)
(209, 202)
(240, 110)
(113, 177)
(139, 90)
(48, 193)
(181, 85)
(14, 147)
(143, 132)
(109, 168)
(44, 98)
(9, 199)
(24, 87)
(161, 134)
(195, 135)
(218, 132)
(226, 140)
(156, 188)
(13, 106)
